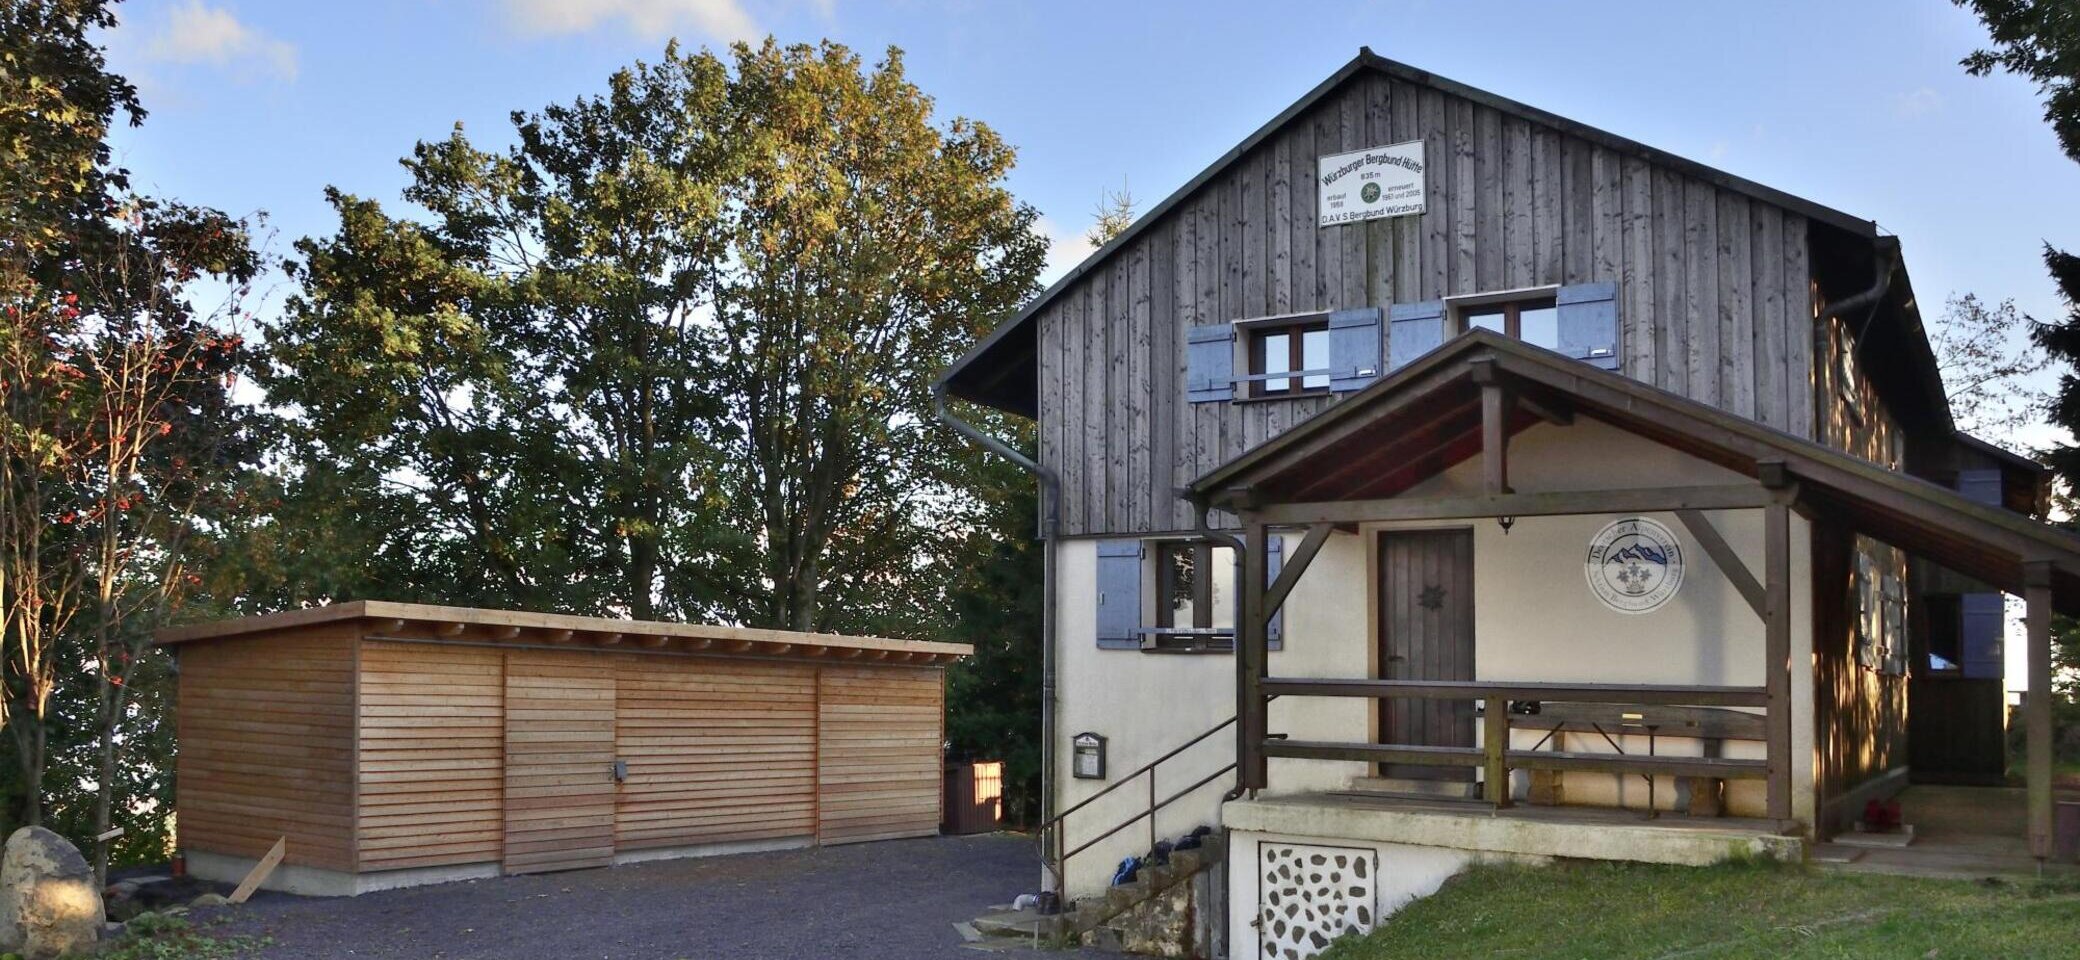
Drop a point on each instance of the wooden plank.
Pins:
(1633, 500)
(1726, 559)
(260, 872)
(1637, 283)
(1736, 305)
(1415, 756)
(1799, 328)
(1701, 291)
(1772, 399)
(1647, 693)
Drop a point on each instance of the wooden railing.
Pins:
(1495, 755)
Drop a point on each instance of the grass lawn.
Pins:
(1592, 911)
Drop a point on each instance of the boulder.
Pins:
(49, 903)
(210, 900)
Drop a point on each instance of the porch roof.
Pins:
(1426, 417)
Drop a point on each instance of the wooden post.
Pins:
(1777, 653)
(1494, 742)
(1251, 653)
(2036, 588)
(1495, 404)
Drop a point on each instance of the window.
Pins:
(1532, 316)
(1288, 347)
(1945, 633)
(1191, 586)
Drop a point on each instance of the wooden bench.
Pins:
(1712, 725)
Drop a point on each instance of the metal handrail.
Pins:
(1052, 827)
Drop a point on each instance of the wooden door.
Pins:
(1426, 633)
(559, 779)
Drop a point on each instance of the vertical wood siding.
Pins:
(1714, 295)
(718, 751)
(877, 753)
(432, 755)
(266, 728)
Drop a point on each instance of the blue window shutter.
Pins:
(1588, 314)
(1119, 594)
(1274, 558)
(1413, 329)
(1985, 622)
(1354, 351)
(1980, 486)
(1210, 364)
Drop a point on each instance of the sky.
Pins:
(1856, 104)
(258, 106)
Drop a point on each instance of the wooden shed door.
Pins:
(559, 796)
(1426, 633)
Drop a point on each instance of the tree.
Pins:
(667, 356)
(1986, 371)
(2038, 40)
(57, 101)
(1115, 213)
(995, 604)
(120, 443)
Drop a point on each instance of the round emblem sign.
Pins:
(1634, 565)
(1369, 193)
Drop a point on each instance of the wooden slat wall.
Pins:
(718, 751)
(878, 757)
(559, 784)
(1714, 293)
(266, 727)
(432, 755)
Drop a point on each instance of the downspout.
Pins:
(1885, 261)
(1200, 513)
(1050, 513)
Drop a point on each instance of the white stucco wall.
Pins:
(1535, 620)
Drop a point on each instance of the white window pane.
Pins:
(1222, 577)
(1314, 355)
(1278, 358)
(1492, 320)
(1540, 326)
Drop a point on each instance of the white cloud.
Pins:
(1065, 248)
(724, 20)
(202, 34)
(1917, 103)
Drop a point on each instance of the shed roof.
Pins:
(1001, 371)
(465, 624)
(1426, 417)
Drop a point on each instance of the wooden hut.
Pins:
(394, 744)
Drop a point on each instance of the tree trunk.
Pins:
(29, 755)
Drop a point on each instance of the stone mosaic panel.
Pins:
(1309, 895)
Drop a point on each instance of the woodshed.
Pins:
(394, 744)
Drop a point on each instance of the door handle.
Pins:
(620, 771)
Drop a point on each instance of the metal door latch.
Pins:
(620, 771)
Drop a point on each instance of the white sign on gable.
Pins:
(1380, 182)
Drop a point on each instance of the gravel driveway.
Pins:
(895, 899)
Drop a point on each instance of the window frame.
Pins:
(1513, 303)
(1202, 584)
(1251, 359)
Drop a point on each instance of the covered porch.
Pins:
(1777, 735)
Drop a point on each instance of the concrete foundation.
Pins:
(1411, 847)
